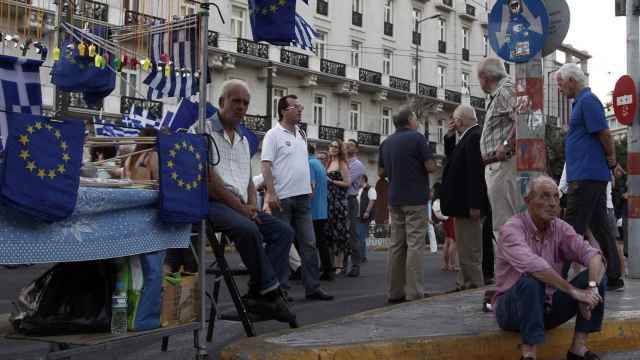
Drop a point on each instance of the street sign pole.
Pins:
(633, 144)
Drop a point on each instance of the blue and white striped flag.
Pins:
(183, 54)
(20, 90)
(140, 118)
(110, 130)
(305, 34)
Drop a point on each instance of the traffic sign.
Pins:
(559, 20)
(625, 100)
(518, 29)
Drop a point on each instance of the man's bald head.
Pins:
(464, 117)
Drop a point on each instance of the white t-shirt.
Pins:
(289, 159)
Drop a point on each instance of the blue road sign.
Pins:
(518, 29)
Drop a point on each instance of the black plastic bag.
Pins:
(70, 298)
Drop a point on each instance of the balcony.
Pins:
(154, 107)
(333, 67)
(416, 38)
(322, 7)
(257, 123)
(249, 47)
(212, 39)
(135, 18)
(294, 58)
(370, 76)
(477, 102)
(453, 96)
(330, 133)
(465, 54)
(442, 47)
(356, 19)
(428, 90)
(469, 12)
(368, 138)
(388, 28)
(399, 83)
(90, 9)
(446, 5)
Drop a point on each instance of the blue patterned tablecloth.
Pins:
(107, 223)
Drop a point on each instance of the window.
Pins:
(186, 9)
(465, 38)
(321, 45)
(417, 16)
(386, 121)
(132, 5)
(442, 76)
(319, 109)
(356, 49)
(465, 83)
(388, 11)
(354, 116)
(278, 93)
(414, 70)
(387, 62)
(440, 135)
(356, 6)
(237, 21)
(486, 44)
(128, 83)
(443, 30)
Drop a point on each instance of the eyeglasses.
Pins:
(298, 107)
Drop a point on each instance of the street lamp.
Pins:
(418, 68)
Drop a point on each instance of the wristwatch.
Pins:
(593, 284)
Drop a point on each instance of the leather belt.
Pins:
(492, 158)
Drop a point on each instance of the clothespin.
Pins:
(125, 60)
(133, 64)
(92, 50)
(167, 70)
(56, 54)
(117, 64)
(146, 64)
(82, 48)
(98, 60)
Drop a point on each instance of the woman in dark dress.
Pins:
(338, 183)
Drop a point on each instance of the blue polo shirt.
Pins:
(583, 151)
(319, 182)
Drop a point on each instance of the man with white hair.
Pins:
(464, 194)
(531, 295)
(497, 144)
(590, 158)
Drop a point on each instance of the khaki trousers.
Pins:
(469, 243)
(504, 195)
(405, 256)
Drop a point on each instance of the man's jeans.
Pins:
(268, 264)
(587, 207)
(522, 308)
(363, 234)
(297, 212)
(354, 244)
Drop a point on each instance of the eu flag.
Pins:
(183, 161)
(273, 21)
(42, 165)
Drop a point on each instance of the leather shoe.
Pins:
(327, 276)
(355, 272)
(587, 356)
(396, 301)
(319, 295)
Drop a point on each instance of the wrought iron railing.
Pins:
(416, 38)
(465, 54)
(212, 39)
(322, 7)
(330, 133)
(250, 47)
(477, 102)
(452, 96)
(442, 47)
(333, 67)
(388, 28)
(399, 83)
(135, 18)
(294, 58)
(370, 76)
(368, 138)
(356, 18)
(428, 90)
(470, 10)
(258, 123)
(154, 107)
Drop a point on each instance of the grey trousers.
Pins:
(469, 242)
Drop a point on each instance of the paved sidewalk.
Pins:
(443, 327)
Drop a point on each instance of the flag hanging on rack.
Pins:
(305, 34)
(181, 48)
(110, 130)
(186, 115)
(20, 90)
(273, 21)
(140, 118)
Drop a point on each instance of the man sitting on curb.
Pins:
(530, 253)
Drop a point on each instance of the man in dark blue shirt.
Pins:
(406, 160)
(590, 158)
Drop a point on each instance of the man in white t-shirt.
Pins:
(367, 197)
(285, 167)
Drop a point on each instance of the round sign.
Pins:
(625, 100)
(518, 29)
(559, 20)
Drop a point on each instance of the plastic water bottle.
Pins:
(119, 310)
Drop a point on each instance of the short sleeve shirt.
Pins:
(498, 120)
(319, 181)
(287, 152)
(402, 156)
(585, 157)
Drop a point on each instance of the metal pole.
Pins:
(270, 92)
(633, 146)
(202, 116)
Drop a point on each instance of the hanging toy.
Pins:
(117, 64)
(133, 64)
(25, 46)
(92, 50)
(106, 59)
(167, 70)
(146, 64)
(41, 49)
(56, 54)
(164, 58)
(82, 49)
(125, 60)
(98, 60)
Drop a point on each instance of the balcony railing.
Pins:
(452, 96)
(465, 54)
(370, 76)
(388, 28)
(294, 58)
(253, 48)
(399, 83)
(442, 47)
(333, 67)
(368, 138)
(257, 123)
(356, 18)
(90, 9)
(470, 10)
(417, 38)
(330, 133)
(77, 101)
(477, 102)
(135, 18)
(322, 7)
(212, 39)
(154, 107)
(428, 90)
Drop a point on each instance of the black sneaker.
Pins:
(615, 284)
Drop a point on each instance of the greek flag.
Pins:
(20, 90)
(181, 46)
(110, 130)
(305, 34)
(140, 118)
